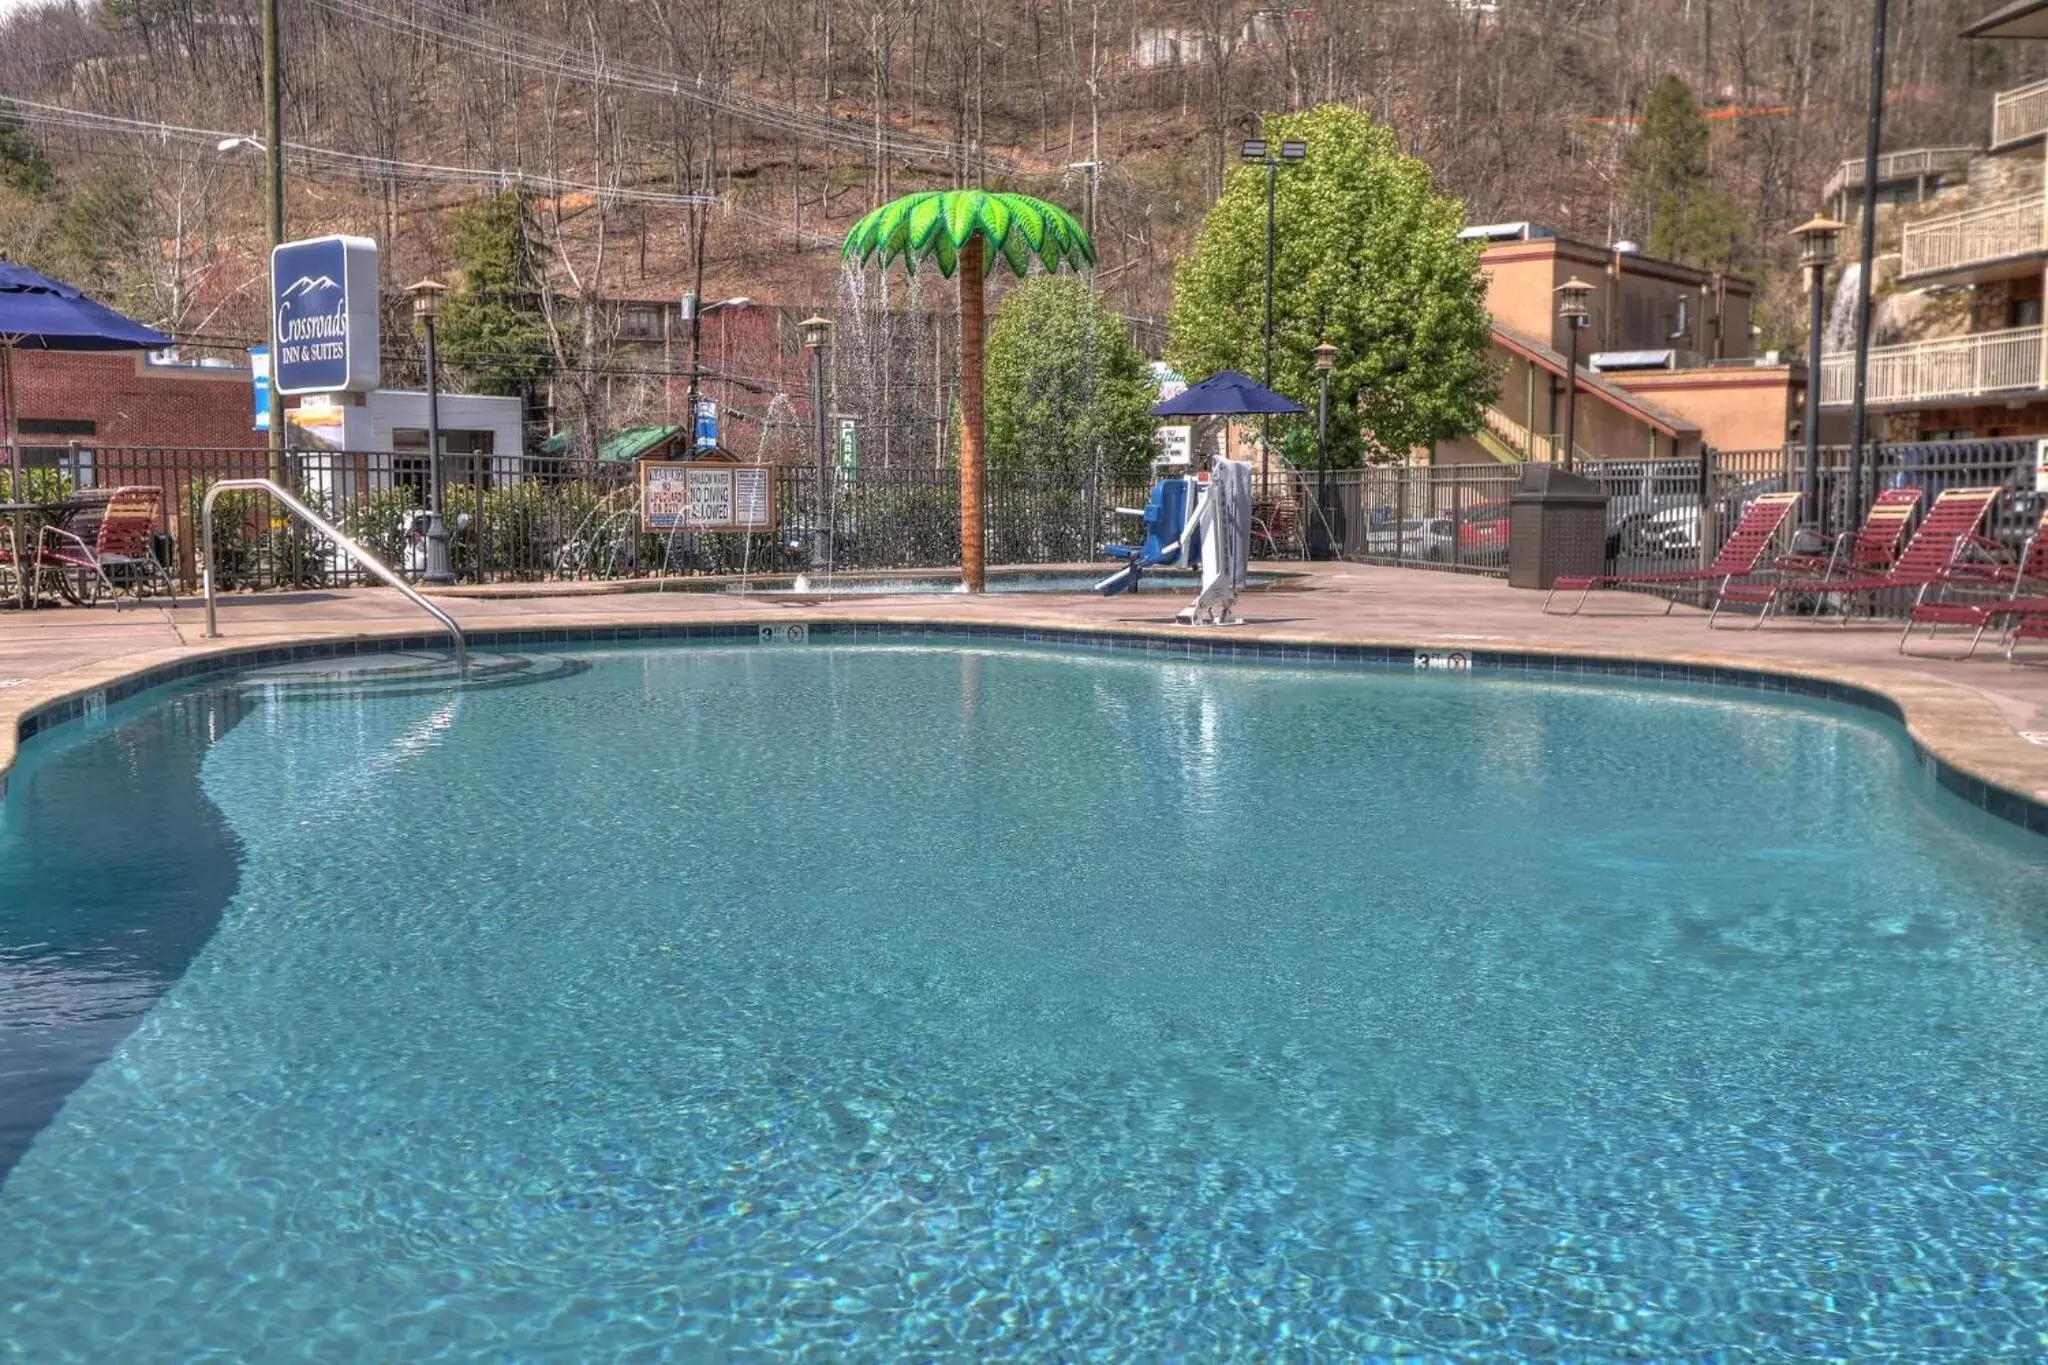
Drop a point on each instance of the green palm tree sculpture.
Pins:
(960, 230)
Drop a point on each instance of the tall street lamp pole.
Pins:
(1258, 152)
(1326, 360)
(1817, 237)
(1873, 135)
(426, 306)
(817, 333)
(1571, 306)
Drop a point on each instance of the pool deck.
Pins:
(1974, 714)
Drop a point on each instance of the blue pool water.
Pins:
(931, 1003)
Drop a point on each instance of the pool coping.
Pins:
(1927, 713)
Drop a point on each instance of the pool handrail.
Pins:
(326, 528)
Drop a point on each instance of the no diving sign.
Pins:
(1443, 661)
(797, 634)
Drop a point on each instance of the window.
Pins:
(56, 426)
(2023, 313)
(640, 322)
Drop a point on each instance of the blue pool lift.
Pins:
(1184, 507)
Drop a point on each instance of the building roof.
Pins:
(623, 445)
(1542, 356)
(2026, 19)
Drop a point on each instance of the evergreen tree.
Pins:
(492, 330)
(1671, 182)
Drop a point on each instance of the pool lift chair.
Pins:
(1189, 522)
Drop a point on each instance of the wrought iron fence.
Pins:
(540, 517)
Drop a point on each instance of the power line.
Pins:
(37, 114)
(448, 27)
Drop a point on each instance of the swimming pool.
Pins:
(902, 1001)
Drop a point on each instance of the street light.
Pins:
(817, 334)
(1571, 306)
(694, 315)
(1256, 151)
(426, 307)
(1817, 237)
(1326, 360)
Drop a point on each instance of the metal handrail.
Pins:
(333, 533)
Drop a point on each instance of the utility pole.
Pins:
(1873, 135)
(273, 152)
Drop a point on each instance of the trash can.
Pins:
(1557, 527)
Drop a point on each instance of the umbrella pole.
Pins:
(15, 492)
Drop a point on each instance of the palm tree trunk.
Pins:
(970, 415)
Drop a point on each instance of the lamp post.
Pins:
(1571, 306)
(817, 333)
(1873, 138)
(426, 306)
(1326, 360)
(1257, 151)
(1817, 237)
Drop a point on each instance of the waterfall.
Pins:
(1840, 332)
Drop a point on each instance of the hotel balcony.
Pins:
(2017, 115)
(1954, 369)
(1987, 243)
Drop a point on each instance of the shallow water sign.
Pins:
(705, 495)
(1443, 660)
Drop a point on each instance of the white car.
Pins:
(1419, 538)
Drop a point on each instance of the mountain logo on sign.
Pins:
(305, 284)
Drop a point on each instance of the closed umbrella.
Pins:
(39, 312)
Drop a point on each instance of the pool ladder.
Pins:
(326, 528)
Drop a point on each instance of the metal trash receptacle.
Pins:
(1557, 527)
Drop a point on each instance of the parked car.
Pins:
(1417, 538)
(1483, 533)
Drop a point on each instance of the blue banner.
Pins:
(259, 370)
(707, 424)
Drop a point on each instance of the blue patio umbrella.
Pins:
(1229, 394)
(37, 311)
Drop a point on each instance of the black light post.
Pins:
(1571, 306)
(1873, 136)
(1292, 153)
(817, 334)
(1817, 237)
(426, 306)
(1326, 360)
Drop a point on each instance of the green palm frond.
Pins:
(933, 225)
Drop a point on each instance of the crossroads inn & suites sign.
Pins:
(323, 302)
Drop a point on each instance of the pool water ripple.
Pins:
(900, 1002)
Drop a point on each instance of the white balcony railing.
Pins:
(1976, 236)
(2020, 113)
(1892, 167)
(1533, 446)
(1926, 371)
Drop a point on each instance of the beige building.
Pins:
(1666, 360)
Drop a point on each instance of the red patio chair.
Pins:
(1949, 529)
(1755, 532)
(2027, 597)
(123, 541)
(1870, 549)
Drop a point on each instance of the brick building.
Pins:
(90, 399)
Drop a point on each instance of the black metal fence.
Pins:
(541, 517)
(538, 517)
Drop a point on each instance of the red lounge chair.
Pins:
(1949, 528)
(2028, 596)
(1871, 549)
(122, 542)
(1744, 550)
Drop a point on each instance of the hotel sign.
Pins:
(323, 307)
(706, 495)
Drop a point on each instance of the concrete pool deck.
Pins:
(1973, 714)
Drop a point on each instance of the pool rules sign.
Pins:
(323, 316)
(705, 495)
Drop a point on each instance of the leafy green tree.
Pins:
(1368, 259)
(1672, 183)
(492, 329)
(22, 163)
(1066, 391)
(104, 234)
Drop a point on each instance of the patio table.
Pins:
(54, 513)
